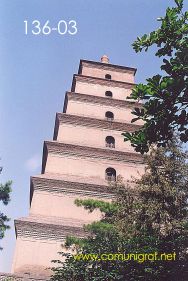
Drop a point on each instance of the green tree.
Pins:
(149, 217)
(5, 190)
(165, 95)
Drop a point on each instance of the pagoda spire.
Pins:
(105, 59)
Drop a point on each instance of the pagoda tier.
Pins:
(97, 130)
(99, 69)
(39, 239)
(87, 152)
(55, 193)
(87, 85)
(58, 150)
(99, 100)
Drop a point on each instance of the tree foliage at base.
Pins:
(165, 95)
(5, 190)
(151, 217)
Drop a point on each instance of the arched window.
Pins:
(109, 115)
(110, 174)
(108, 76)
(110, 142)
(108, 94)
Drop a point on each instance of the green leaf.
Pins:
(179, 3)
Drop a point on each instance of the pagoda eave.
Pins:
(64, 118)
(100, 100)
(51, 183)
(45, 229)
(19, 277)
(100, 81)
(105, 66)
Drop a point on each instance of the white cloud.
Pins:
(33, 163)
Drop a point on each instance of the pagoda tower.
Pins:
(86, 153)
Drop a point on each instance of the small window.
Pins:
(109, 116)
(108, 94)
(108, 76)
(110, 174)
(110, 142)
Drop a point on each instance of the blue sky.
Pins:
(35, 72)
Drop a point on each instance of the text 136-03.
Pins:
(63, 27)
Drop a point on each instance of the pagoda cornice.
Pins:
(100, 100)
(105, 66)
(18, 277)
(70, 187)
(34, 227)
(100, 81)
(84, 152)
(63, 118)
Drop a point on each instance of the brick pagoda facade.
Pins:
(86, 153)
